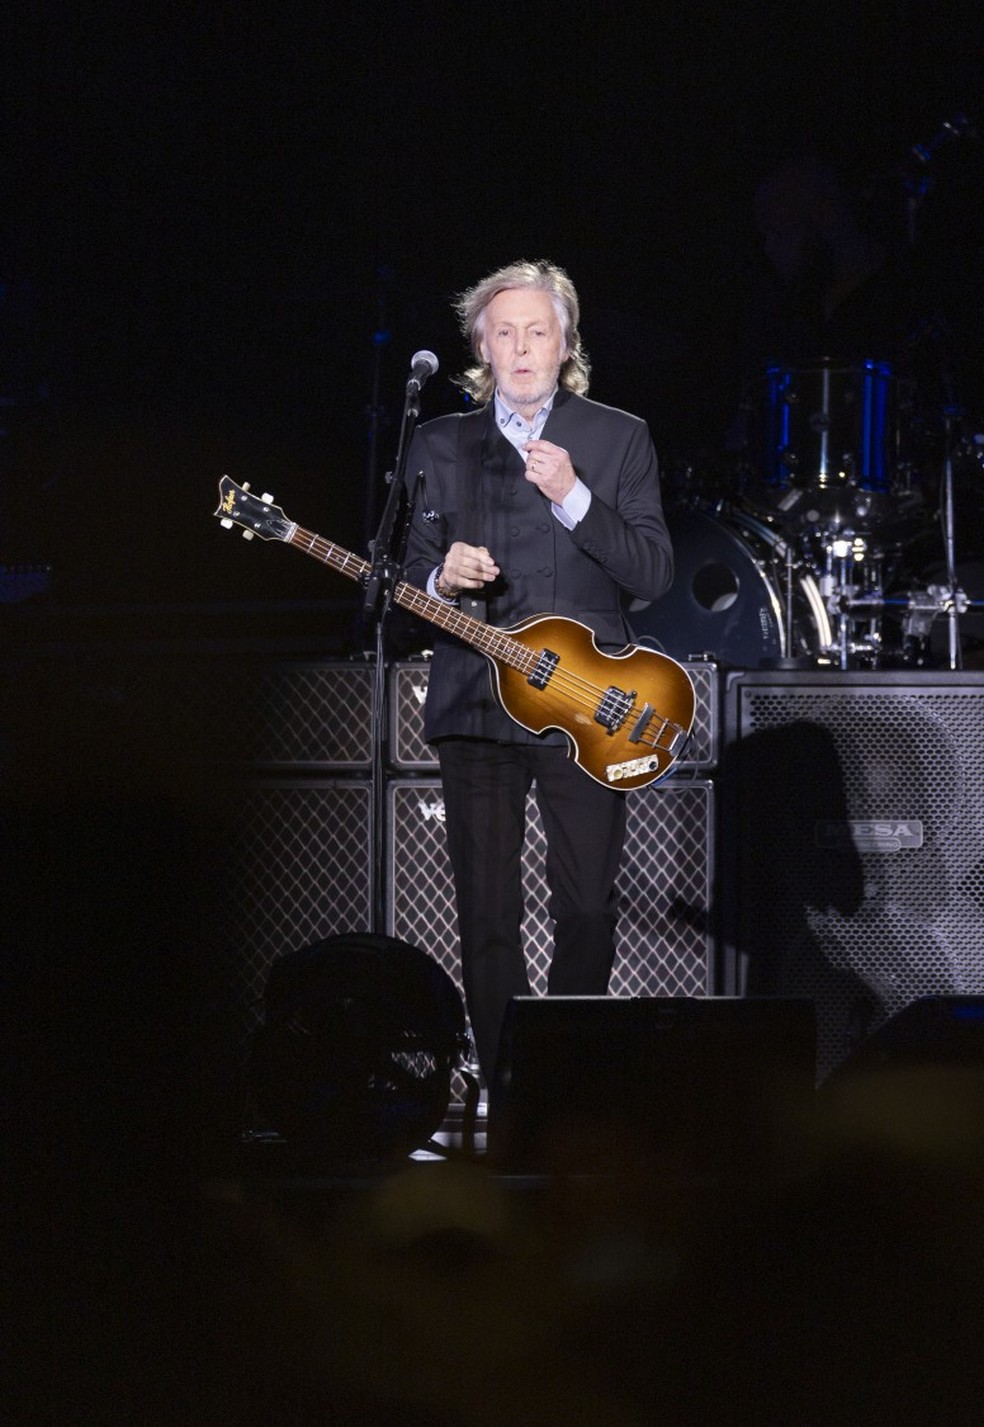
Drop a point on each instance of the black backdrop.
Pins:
(225, 232)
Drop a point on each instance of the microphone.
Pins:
(422, 366)
(956, 128)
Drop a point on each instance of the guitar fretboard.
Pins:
(485, 637)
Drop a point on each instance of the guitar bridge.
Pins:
(614, 708)
(642, 723)
(545, 665)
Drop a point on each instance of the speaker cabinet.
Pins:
(664, 940)
(408, 690)
(853, 812)
(407, 693)
(299, 859)
(282, 715)
(702, 1088)
(306, 714)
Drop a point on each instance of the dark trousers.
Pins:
(485, 788)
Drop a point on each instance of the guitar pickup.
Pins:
(545, 665)
(614, 708)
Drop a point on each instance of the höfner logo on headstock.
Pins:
(876, 835)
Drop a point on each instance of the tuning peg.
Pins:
(248, 534)
(226, 522)
(245, 485)
(267, 498)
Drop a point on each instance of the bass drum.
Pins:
(728, 597)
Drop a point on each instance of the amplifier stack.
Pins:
(822, 837)
(302, 830)
(762, 866)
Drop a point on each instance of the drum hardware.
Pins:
(836, 452)
(915, 173)
(851, 587)
(951, 437)
(740, 595)
(924, 607)
(917, 611)
(748, 595)
(807, 589)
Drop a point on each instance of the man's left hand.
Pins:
(549, 467)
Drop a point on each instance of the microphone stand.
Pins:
(387, 552)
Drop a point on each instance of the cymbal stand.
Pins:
(788, 612)
(953, 596)
(835, 586)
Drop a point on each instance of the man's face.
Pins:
(523, 343)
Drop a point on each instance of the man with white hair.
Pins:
(535, 501)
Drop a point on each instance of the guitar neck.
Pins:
(486, 638)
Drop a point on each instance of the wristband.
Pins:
(445, 592)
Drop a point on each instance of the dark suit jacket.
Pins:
(475, 490)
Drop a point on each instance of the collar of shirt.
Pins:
(516, 429)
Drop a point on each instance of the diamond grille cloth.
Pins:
(664, 888)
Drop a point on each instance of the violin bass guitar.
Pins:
(627, 716)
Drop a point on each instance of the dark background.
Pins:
(224, 231)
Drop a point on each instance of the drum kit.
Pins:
(833, 544)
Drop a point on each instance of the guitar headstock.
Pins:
(257, 515)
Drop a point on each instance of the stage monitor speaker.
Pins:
(664, 939)
(705, 1088)
(853, 817)
(932, 1031)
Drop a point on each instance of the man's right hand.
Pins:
(468, 567)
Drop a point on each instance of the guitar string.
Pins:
(578, 690)
(590, 697)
